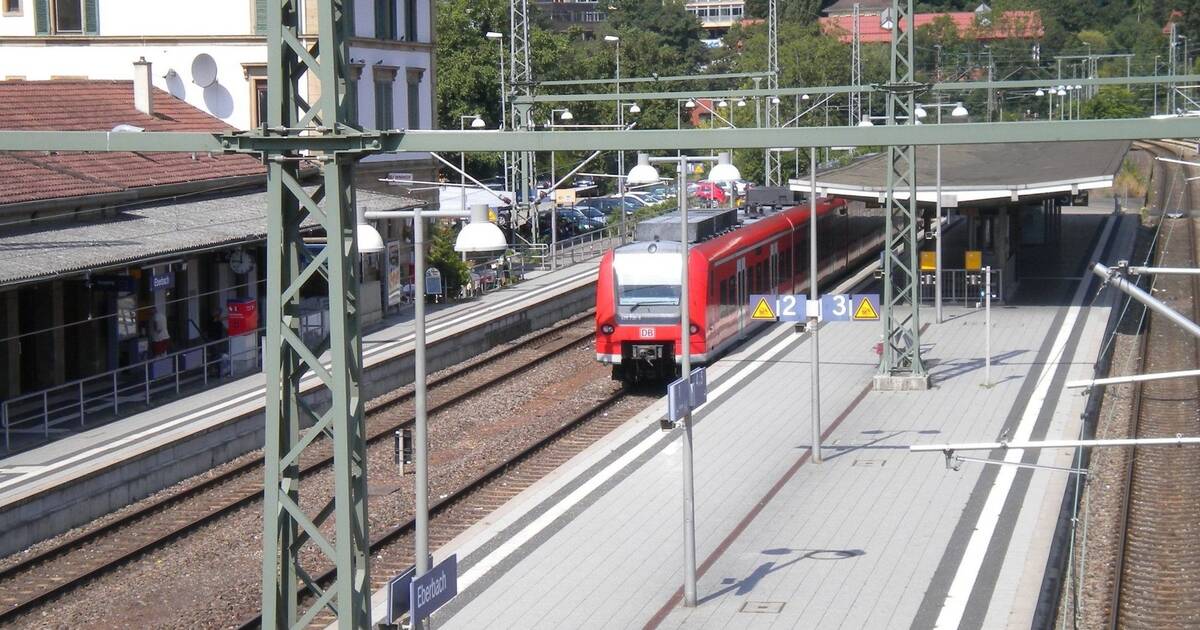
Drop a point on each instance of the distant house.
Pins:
(981, 23)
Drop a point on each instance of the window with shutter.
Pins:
(410, 20)
(384, 105)
(260, 17)
(91, 17)
(41, 17)
(385, 19)
(414, 98)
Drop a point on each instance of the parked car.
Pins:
(580, 220)
(649, 197)
(711, 191)
(592, 212)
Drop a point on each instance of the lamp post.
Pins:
(477, 236)
(644, 173)
(499, 38)
(958, 112)
(476, 123)
(563, 114)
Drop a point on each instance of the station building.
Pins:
(94, 246)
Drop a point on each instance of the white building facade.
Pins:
(213, 54)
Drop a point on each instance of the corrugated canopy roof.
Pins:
(138, 235)
(977, 173)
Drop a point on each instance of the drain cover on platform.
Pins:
(762, 607)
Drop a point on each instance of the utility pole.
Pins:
(901, 367)
(991, 92)
(855, 97)
(773, 171)
(1172, 56)
(522, 80)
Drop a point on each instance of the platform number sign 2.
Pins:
(784, 308)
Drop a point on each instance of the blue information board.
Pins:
(397, 594)
(699, 387)
(432, 590)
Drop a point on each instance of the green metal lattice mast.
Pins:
(338, 529)
(900, 366)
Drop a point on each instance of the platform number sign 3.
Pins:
(840, 306)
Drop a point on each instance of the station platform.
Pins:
(68, 482)
(872, 537)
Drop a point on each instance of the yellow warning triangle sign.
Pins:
(865, 310)
(763, 310)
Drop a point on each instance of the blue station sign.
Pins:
(434, 589)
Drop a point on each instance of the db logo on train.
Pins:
(646, 333)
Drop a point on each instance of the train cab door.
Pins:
(743, 296)
(773, 268)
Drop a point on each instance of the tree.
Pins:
(1113, 102)
(455, 272)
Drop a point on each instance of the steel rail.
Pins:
(157, 506)
(1137, 413)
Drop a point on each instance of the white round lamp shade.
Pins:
(480, 235)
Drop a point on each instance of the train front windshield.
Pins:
(647, 285)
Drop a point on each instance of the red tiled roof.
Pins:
(1175, 16)
(87, 105)
(1009, 25)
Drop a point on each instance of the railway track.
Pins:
(54, 570)
(1157, 577)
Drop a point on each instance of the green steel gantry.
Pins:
(297, 131)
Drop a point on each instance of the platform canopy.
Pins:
(983, 174)
(147, 234)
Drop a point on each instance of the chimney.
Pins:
(143, 87)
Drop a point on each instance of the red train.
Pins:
(637, 293)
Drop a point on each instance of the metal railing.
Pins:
(961, 286)
(587, 245)
(140, 385)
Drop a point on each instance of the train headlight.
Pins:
(607, 329)
(694, 329)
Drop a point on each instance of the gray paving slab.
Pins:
(858, 541)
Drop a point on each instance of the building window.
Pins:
(414, 97)
(385, 102)
(63, 16)
(68, 16)
(410, 20)
(12, 8)
(258, 94)
(385, 19)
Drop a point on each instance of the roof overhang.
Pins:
(983, 175)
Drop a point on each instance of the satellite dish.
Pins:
(204, 70)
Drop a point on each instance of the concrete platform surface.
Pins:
(873, 537)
